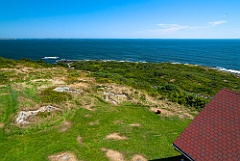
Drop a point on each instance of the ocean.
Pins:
(223, 54)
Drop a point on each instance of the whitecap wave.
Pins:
(217, 68)
(50, 57)
(228, 70)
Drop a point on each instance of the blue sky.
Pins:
(120, 19)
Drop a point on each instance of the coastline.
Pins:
(233, 71)
(56, 59)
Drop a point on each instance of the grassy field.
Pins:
(152, 139)
(95, 120)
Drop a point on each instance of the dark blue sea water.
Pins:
(212, 52)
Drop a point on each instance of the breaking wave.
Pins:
(228, 70)
(50, 57)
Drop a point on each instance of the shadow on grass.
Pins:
(175, 158)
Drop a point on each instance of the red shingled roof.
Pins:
(215, 133)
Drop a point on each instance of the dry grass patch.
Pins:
(24, 103)
(1, 125)
(18, 69)
(64, 126)
(86, 102)
(170, 112)
(46, 83)
(115, 94)
(115, 136)
(80, 85)
(57, 81)
(135, 125)
(88, 107)
(87, 116)
(7, 131)
(63, 156)
(20, 86)
(118, 122)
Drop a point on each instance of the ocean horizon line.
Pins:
(119, 38)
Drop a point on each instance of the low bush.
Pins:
(50, 96)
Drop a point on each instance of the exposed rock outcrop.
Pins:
(24, 115)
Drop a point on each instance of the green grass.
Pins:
(8, 103)
(153, 139)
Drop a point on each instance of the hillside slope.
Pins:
(51, 112)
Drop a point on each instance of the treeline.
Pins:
(191, 86)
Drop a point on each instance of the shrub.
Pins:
(3, 78)
(50, 96)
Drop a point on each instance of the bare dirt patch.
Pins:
(113, 155)
(64, 126)
(138, 158)
(79, 139)
(87, 116)
(63, 156)
(115, 136)
(1, 125)
(94, 123)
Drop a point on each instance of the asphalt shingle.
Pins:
(215, 133)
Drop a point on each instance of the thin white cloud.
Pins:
(172, 27)
(177, 27)
(216, 23)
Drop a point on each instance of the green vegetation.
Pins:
(188, 85)
(50, 96)
(84, 117)
(153, 139)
